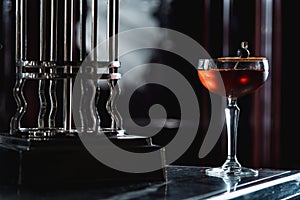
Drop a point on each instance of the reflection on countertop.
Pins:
(183, 182)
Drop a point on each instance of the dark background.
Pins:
(205, 25)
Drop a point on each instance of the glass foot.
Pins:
(221, 172)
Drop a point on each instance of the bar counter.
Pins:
(182, 182)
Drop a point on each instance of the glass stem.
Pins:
(232, 117)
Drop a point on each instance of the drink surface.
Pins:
(232, 83)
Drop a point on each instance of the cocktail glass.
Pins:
(233, 77)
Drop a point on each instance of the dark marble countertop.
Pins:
(183, 182)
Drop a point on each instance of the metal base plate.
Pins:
(63, 160)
